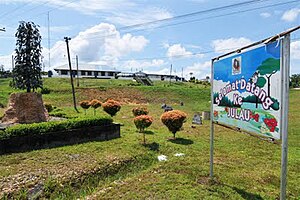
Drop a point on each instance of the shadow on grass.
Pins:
(149, 132)
(152, 146)
(182, 141)
(246, 195)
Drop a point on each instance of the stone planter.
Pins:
(60, 138)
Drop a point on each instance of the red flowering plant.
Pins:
(111, 107)
(140, 111)
(173, 120)
(95, 104)
(85, 105)
(254, 116)
(271, 123)
(141, 122)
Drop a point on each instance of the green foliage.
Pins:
(27, 71)
(140, 111)
(111, 107)
(269, 66)
(261, 82)
(173, 120)
(45, 90)
(48, 107)
(46, 127)
(295, 81)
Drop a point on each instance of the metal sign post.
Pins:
(284, 113)
(211, 160)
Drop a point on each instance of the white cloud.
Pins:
(146, 66)
(90, 46)
(6, 60)
(291, 15)
(137, 17)
(199, 70)
(295, 50)
(265, 15)
(178, 51)
(225, 45)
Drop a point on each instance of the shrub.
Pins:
(95, 104)
(141, 122)
(111, 107)
(140, 111)
(45, 90)
(173, 120)
(46, 127)
(85, 105)
(48, 107)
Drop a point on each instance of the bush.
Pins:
(140, 111)
(141, 122)
(173, 120)
(95, 104)
(45, 90)
(48, 107)
(85, 105)
(54, 126)
(111, 107)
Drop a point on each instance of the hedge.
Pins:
(46, 127)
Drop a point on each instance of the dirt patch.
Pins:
(123, 95)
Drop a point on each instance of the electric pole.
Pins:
(49, 44)
(77, 71)
(71, 72)
(170, 74)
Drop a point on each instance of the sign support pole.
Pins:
(211, 161)
(285, 113)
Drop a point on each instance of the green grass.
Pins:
(245, 167)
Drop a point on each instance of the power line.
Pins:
(15, 9)
(194, 20)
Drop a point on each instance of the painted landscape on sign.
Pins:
(247, 91)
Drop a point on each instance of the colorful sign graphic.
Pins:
(247, 91)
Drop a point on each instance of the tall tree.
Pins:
(268, 67)
(27, 71)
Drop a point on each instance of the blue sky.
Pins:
(99, 37)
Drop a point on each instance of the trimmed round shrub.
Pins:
(111, 107)
(85, 105)
(140, 111)
(95, 104)
(173, 120)
(141, 122)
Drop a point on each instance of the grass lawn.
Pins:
(245, 167)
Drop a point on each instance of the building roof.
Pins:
(87, 67)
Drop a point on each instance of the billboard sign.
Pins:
(247, 91)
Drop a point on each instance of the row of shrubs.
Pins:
(173, 120)
(54, 126)
(110, 106)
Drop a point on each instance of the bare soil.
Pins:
(123, 95)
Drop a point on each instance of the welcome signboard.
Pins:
(247, 91)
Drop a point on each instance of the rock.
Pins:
(25, 108)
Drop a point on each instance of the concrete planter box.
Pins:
(60, 138)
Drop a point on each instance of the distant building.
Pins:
(88, 71)
(106, 72)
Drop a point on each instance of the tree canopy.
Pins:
(27, 71)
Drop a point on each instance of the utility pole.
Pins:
(49, 53)
(170, 74)
(182, 74)
(12, 62)
(70, 67)
(77, 71)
